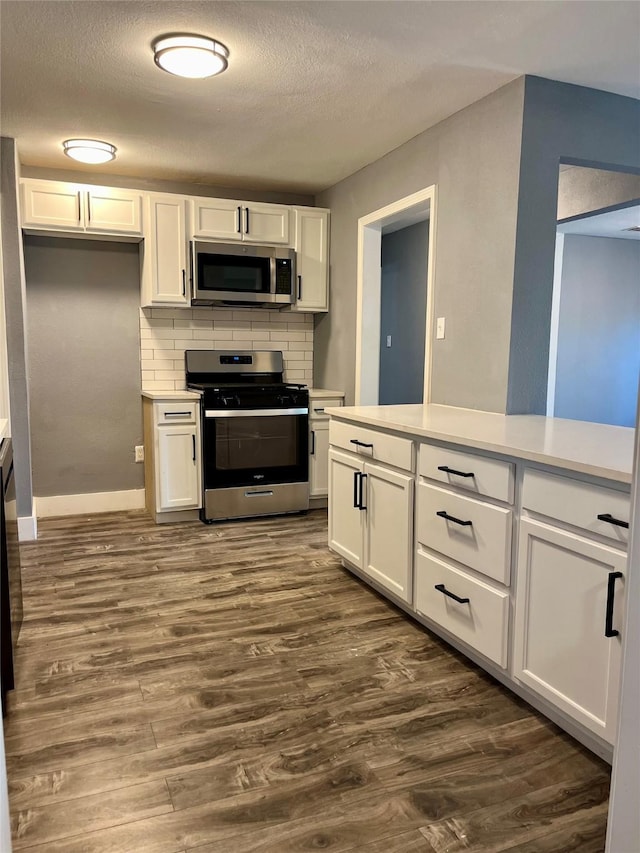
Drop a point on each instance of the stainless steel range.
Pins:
(254, 434)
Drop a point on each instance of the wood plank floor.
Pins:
(232, 689)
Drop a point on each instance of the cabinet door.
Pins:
(388, 497)
(265, 223)
(178, 468)
(319, 458)
(52, 205)
(346, 521)
(164, 267)
(217, 219)
(561, 651)
(311, 245)
(117, 211)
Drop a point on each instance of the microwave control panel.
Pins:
(284, 283)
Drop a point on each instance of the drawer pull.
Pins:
(606, 516)
(609, 630)
(443, 514)
(319, 411)
(177, 414)
(448, 470)
(263, 493)
(442, 588)
(359, 443)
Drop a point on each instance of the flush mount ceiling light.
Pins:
(190, 56)
(89, 150)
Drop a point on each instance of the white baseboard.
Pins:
(27, 528)
(46, 507)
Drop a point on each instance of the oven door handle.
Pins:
(253, 413)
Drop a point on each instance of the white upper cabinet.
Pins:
(311, 243)
(165, 274)
(229, 220)
(57, 206)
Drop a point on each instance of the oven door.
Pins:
(255, 447)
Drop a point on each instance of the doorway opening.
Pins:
(396, 255)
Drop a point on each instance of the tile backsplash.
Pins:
(165, 333)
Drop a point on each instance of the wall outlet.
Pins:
(440, 328)
(139, 453)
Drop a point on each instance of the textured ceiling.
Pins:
(314, 90)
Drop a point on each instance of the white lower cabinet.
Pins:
(569, 605)
(371, 520)
(318, 458)
(172, 457)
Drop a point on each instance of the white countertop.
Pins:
(322, 392)
(171, 395)
(595, 449)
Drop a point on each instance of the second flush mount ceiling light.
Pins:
(190, 55)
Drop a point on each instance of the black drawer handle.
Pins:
(448, 470)
(606, 516)
(442, 588)
(319, 411)
(609, 630)
(443, 514)
(359, 443)
(193, 439)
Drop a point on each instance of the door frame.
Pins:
(406, 211)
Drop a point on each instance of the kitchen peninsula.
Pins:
(505, 535)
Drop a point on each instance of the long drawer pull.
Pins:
(442, 514)
(609, 630)
(606, 516)
(442, 588)
(448, 470)
(319, 411)
(359, 443)
(178, 414)
(265, 493)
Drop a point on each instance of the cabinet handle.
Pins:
(88, 208)
(246, 220)
(191, 266)
(319, 411)
(442, 514)
(239, 225)
(299, 287)
(606, 516)
(359, 443)
(313, 443)
(361, 505)
(442, 588)
(356, 476)
(609, 630)
(263, 493)
(448, 470)
(79, 208)
(193, 439)
(184, 282)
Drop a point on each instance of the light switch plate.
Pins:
(388, 340)
(440, 328)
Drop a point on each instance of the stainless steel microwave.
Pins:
(242, 274)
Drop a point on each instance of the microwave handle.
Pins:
(191, 270)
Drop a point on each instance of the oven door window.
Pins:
(233, 274)
(244, 451)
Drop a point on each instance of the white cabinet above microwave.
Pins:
(249, 222)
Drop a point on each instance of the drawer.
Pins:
(175, 411)
(482, 542)
(372, 444)
(577, 503)
(482, 622)
(318, 405)
(478, 474)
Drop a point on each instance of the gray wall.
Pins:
(474, 158)
(14, 296)
(584, 127)
(598, 362)
(84, 365)
(584, 190)
(403, 314)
